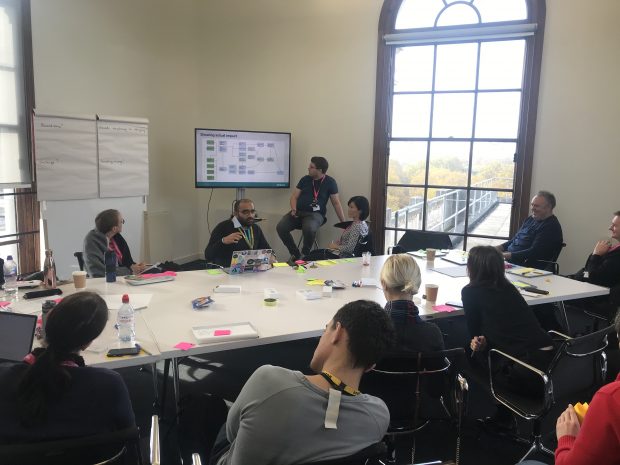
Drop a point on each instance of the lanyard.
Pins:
(339, 385)
(316, 191)
(114, 247)
(248, 235)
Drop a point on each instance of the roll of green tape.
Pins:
(270, 302)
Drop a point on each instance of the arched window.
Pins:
(457, 92)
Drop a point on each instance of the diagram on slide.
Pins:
(232, 158)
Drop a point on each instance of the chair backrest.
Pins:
(403, 380)
(549, 264)
(104, 448)
(80, 259)
(579, 364)
(416, 240)
(364, 244)
(374, 451)
(577, 367)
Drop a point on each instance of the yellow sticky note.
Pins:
(215, 271)
(280, 264)
(315, 282)
(324, 262)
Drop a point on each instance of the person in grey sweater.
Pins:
(107, 236)
(283, 416)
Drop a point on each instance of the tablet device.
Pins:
(16, 335)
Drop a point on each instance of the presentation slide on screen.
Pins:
(242, 159)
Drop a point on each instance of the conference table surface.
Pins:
(169, 317)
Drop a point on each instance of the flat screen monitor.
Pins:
(227, 158)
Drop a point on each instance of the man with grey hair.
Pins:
(540, 238)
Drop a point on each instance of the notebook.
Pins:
(244, 261)
(16, 335)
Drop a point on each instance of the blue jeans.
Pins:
(308, 222)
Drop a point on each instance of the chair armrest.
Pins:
(556, 333)
(540, 373)
(155, 447)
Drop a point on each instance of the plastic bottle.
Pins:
(45, 309)
(49, 271)
(110, 266)
(10, 276)
(126, 321)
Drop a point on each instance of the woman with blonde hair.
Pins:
(400, 280)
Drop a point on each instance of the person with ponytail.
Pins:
(52, 394)
(400, 280)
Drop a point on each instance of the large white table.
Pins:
(169, 317)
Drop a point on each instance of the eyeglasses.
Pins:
(248, 212)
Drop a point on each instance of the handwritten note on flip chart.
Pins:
(66, 157)
(123, 156)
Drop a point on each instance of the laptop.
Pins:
(16, 335)
(244, 261)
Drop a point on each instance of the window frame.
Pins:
(27, 231)
(383, 111)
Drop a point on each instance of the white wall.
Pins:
(309, 68)
(578, 131)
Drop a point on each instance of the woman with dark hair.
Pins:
(51, 394)
(498, 317)
(359, 209)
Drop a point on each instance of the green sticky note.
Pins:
(349, 260)
(215, 271)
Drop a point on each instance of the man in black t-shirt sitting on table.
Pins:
(237, 233)
(308, 207)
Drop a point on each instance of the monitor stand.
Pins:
(240, 193)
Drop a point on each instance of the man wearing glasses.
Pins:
(237, 233)
(107, 236)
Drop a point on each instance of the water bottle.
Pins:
(110, 266)
(46, 307)
(10, 276)
(49, 271)
(126, 321)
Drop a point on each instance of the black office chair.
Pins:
(548, 265)
(118, 447)
(419, 388)
(364, 244)
(578, 367)
(369, 455)
(415, 240)
(80, 259)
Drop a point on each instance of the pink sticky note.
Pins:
(157, 275)
(58, 300)
(4, 304)
(443, 308)
(184, 345)
(221, 332)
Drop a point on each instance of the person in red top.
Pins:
(597, 440)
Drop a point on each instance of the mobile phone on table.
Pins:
(135, 350)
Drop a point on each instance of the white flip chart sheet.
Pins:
(123, 156)
(66, 157)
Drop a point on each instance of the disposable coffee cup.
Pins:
(430, 254)
(431, 292)
(366, 258)
(79, 279)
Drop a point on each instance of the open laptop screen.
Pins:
(16, 334)
(243, 261)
